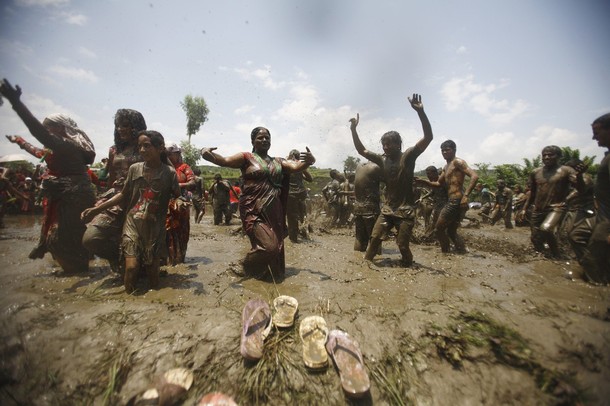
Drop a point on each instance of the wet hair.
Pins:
(603, 121)
(334, 173)
(217, 176)
(136, 121)
(553, 148)
(449, 144)
(432, 168)
(157, 141)
(392, 136)
(197, 171)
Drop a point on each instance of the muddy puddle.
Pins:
(499, 325)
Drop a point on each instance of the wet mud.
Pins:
(498, 325)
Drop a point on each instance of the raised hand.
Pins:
(11, 93)
(416, 102)
(308, 157)
(12, 138)
(206, 153)
(354, 121)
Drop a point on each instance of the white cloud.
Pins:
(465, 92)
(74, 18)
(14, 48)
(243, 109)
(87, 52)
(75, 73)
(461, 50)
(262, 75)
(42, 3)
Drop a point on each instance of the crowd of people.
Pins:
(140, 217)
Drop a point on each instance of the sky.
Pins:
(502, 78)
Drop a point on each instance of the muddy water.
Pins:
(82, 340)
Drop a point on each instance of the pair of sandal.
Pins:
(257, 321)
(319, 343)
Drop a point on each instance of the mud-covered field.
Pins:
(499, 325)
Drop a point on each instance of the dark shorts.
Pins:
(451, 212)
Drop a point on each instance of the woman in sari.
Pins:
(66, 186)
(178, 215)
(262, 203)
(103, 234)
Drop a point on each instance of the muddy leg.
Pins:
(131, 274)
(152, 271)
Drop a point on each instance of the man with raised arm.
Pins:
(398, 210)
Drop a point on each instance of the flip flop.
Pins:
(313, 332)
(345, 352)
(216, 399)
(285, 309)
(256, 325)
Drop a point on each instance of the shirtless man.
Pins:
(550, 185)
(450, 216)
(398, 210)
(368, 202)
(595, 235)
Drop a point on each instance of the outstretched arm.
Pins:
(418, 106)
(233, 161)
(306, 160)
(371, 156)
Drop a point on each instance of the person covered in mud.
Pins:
(66, 184)
(332, 195)
(103, 235)
(367, 204)
(199, 196)
(453, 177)
(178, 224)
(221, 199)
(503, 208)
(296, 209)
(437, 197)
(145, 196)
(262, 204)
(7, 192)
(550, 186)
(595, 259)
(346, 200)
(398, 210)
(486, 196)
(581, 209)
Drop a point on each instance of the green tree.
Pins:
(350, 164)
(190, 153)
(196, 113)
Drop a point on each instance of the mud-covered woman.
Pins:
(178, 225)
(262, 204)
(103, 234)
(66, 186)
(144, 198)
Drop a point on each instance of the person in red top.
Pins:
(234, 193)
(178, 216)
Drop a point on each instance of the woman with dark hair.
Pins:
(178, 215)
(103, 234)
(66, 186)
(145, 196)
(262, 204)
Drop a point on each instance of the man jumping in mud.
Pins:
(398, 210)
(550, 185)
(453, 176)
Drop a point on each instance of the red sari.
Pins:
(177, 224)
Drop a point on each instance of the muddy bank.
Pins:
(499, 325)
